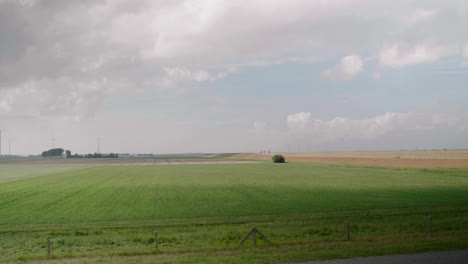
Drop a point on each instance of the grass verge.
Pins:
(295, 237)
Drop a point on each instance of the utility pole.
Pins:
(53, 141)
(9, 147)
(98, 141)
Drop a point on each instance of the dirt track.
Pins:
(383, 162)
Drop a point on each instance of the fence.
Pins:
(253, 233)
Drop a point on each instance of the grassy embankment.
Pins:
(109, 214)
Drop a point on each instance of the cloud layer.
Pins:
(341, 128)
(153, 44)
(303, 132)
(398, 56)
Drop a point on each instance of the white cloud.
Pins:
(398, 55)
(440, 119)
(185, 74)
(420, 15)
(298, 120)
(175, 74)
(349, 67)
(133, 43)
(25, 3)
(57, 97)
(340, 128)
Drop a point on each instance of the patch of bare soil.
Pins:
(253, 156)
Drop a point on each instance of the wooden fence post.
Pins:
(254, 231)
(245, 237)
(261, 235)
(48, 245)
(254, 236)
(156, 239)
(347, 230)
(430, 224)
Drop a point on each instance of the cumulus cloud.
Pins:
(349, 67)
(398, 56)
(341, 128)
(299, 120)
(176, 74)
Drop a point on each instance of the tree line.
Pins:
(58, 152)
(92, 156)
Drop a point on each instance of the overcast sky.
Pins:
(233, 76)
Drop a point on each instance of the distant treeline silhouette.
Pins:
(94, 156)
(58, 152)
(53, 153)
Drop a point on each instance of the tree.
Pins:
(278, 158)
(56, 152)
(68, 153)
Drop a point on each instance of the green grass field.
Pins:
(8, 174)
(109, 213)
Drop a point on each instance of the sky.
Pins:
(180, 76)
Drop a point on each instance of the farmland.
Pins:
(15, 173)
(422, 154)
(122, 161)
(408, 159)
(108, 214)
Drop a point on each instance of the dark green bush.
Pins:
(278, 158)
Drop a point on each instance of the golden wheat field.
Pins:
(425, 154)
(411, 159)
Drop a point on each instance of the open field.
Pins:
(111, 193)
(16, 173)
(382, 159)
(108, 214)
(119, 161)
(423, 154)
